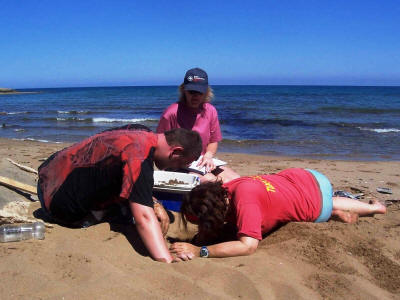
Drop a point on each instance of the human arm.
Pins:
(161, 215)
(168, 119)
(207, 159)
(244, 246)
(225, 175)
(210, 131)
(208, 177)
(150, 232)
(163, 125)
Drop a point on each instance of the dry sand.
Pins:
(299, 261)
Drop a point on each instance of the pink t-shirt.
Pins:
(204, 121)
(261, 203)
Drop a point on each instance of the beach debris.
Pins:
(356, 190)
(392, 201)
(386, 202)
(8, 182)
(347, 194)
(22, 231)
(18, 212)
(22, 167)
(384, 190)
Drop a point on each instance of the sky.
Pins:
(54, 43)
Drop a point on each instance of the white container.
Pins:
(174, 182)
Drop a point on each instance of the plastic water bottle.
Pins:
(19, 232)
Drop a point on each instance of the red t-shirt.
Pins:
(261, 203)
(203, 120)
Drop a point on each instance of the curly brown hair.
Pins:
(207, 205)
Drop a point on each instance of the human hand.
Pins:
(208, 163)
(183, 257)
(162, 216)
(185, 250)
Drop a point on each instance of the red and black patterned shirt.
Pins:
(108, 167)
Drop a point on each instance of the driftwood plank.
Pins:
(18, 185)
(22, 167)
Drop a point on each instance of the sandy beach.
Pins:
(299, 261)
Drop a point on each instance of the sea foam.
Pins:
(111, 120)
(380, 130)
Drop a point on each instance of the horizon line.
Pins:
(211, 85)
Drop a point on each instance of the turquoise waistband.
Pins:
(327, 192)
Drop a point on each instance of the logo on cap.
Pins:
(198, 78)
(190, 78)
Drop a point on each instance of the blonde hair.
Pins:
(182, 97)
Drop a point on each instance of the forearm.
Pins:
(244, 246)
(211, 150)
(154, 241)
(150, 232)
(229, 249)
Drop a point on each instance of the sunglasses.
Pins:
(195, 93)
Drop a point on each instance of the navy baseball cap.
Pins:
(196, 80)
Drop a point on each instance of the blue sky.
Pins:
(110, 43)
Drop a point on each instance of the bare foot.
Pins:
(345, 216)
(378, 207)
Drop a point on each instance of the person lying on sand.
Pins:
(258, 204)
(89, 181)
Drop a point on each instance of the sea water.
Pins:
(339, 122)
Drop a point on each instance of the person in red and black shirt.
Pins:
(111, 168)
(255, 205)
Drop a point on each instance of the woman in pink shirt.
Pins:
(194, 111)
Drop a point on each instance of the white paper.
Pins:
(193, 166)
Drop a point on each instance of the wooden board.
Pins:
(18, 185)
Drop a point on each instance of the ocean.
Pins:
(333, 122)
